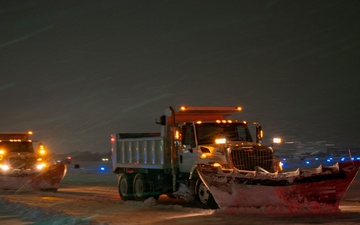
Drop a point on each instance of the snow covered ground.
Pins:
(88, 195)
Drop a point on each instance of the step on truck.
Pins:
(167, 162)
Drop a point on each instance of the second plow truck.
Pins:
(25, 168)
(202, 156)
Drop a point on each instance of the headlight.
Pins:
(215, 164)
(5, 167)
(40, 166)
(220, 141)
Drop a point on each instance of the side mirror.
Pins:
(162, 120)
(259, 134)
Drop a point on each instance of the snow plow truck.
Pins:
(23, 168)
(203, 156)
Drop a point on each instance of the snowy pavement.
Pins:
(89, 196)
(8, 219)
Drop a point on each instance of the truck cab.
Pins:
(218, 141)
(204, 142)
(18, 156)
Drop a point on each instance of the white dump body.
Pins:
(138, 152)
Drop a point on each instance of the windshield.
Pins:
(16, 146)
(208, 132)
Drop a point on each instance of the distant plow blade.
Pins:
(49, 179)
(320, 189)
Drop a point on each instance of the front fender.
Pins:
(193, 172)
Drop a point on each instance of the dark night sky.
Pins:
(76, 71)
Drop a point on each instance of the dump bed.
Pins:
(138, 150)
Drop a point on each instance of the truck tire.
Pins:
(125, 187)
(140, 187)
(204, 196)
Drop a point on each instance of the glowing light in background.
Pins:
(277, 140)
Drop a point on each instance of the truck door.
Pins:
(187, 149)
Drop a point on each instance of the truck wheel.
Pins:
(140, 187)
(125, 187)
(204, 196)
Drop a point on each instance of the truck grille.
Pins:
(249, 159)
(22, 163)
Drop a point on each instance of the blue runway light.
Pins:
(102, 168)
(342, 159)
(307, 162)
(316, 158)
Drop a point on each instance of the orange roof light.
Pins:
(177, 135)
(238, 108)
(182, 108)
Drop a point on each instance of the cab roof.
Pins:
(204, 113)
(23, 136)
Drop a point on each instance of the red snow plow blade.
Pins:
(47, 180)
(319, 189)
